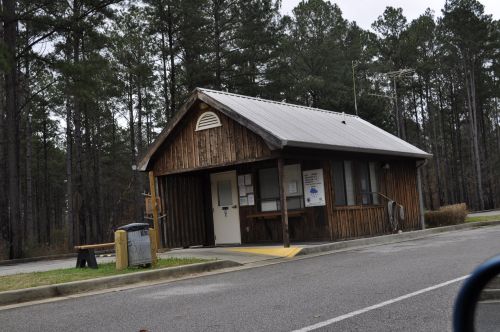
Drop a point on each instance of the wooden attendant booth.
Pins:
(234, 170)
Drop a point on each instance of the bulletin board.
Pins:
(246, 190)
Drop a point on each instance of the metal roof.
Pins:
(288, 125)
(301, 126)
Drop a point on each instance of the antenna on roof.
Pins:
(354, 87)
(397, 74)
(343, 118)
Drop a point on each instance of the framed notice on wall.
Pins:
(314, 187)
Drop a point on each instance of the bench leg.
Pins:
(81, 260)
(86, 257)
(92, 262)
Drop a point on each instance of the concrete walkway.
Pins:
(45, 265)
(240, 254)
(252, 254)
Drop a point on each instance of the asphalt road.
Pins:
(395, 287)
(487, 317)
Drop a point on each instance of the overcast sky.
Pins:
(365, 12)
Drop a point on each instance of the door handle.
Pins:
(234, 206)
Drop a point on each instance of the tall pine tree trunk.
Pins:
(216, 12)
(70, 217)
(79, 202)
(470, 85)
(173, 76)
(4, 217)
(10, 39)
(140, 183)
(29, 183)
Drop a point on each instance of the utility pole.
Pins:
(354, 87)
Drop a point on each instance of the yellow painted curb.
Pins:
(270, 251)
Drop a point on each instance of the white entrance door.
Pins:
(225, 208)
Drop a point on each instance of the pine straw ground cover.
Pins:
(33, 279)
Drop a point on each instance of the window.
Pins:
(293, 186)
(270, 190)
(349, 183)
(365, 184)
(207, 120)
(355, 182)
(225, 193)
(374, 167)
(339, 183)
(343, 185)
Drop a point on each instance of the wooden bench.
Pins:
(86, 254)
(274, 214)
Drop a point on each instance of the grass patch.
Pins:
(483, 218)
(33, 279)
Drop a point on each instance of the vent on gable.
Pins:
(207, 120)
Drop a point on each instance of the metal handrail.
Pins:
(394, 223)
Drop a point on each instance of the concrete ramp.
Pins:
(269, 251)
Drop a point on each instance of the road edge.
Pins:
(392, 238)
(75, 287)
(176, 273)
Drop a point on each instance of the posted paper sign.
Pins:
(241, 180)
(250, 199)
(314, 188)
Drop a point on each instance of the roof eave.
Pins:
(322, 146)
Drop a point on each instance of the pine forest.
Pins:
(86, 85)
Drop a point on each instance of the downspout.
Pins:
(420, 195)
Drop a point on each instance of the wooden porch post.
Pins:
(284, 207)
(152, 188)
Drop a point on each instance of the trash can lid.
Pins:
(136, 226)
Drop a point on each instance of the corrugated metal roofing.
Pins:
(300, 126)
(287, 125)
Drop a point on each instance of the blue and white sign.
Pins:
(314, 188)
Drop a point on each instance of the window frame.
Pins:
(268, 198)
(286, 176)
(356, 177)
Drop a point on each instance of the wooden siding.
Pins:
(398, 183)
(359, 221)
(187, 149)
(189, 216)
(188, 219)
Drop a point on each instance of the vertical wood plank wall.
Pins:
(187, 202)
(398, 183)
(188, 222)
(187, 149)
(353, 222)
